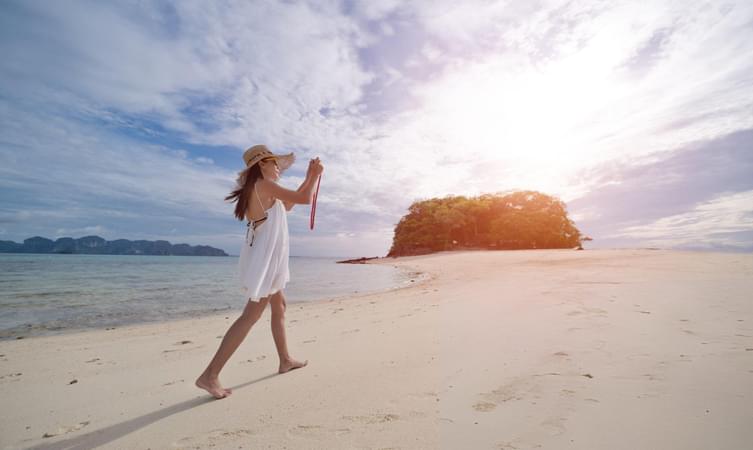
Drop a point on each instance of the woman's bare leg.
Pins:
(278, 333)
(209, 379)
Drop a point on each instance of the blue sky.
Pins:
(129, 119)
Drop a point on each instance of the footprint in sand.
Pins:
(554, 425)
(484, 406)
(515, 390)
(305, 429)
(652, 377)
(355, 330)
(214, 438)
(66, 429)
(12, 376)
(183, 343)
(427, 394)
(315, 431)
(309, 341)
(258, 358)
(373, 418)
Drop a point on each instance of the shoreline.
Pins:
(550, 349)
(229, 312)
(422, 278)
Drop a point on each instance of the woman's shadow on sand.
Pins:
(102, 436)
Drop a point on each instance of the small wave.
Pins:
(46, 294)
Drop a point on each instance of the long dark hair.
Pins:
(246, 179)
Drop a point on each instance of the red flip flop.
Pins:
(313, 202)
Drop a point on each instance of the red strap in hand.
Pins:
(313, 202)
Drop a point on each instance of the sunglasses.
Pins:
(252, 227)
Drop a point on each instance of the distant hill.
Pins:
(95, 245)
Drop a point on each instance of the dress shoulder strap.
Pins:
(256, 191)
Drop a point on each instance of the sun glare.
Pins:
(546, 120)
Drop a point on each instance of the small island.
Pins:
(516, 220)
(95, 245)
(508, 221)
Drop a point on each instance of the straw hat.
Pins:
(258, 152)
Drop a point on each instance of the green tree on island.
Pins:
(517, 220)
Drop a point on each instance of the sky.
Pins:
(129, 119)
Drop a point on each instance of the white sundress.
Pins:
(263, 262)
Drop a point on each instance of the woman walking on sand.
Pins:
(263, 262)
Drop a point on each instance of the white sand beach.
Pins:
(552, 349)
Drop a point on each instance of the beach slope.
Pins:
(595, 349)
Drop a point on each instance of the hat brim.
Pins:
(284, 161)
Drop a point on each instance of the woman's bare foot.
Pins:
(212, 386)
(286, 366)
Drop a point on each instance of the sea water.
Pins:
(54, 293)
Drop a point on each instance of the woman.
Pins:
(263, 262)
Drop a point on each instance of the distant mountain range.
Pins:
(95, 245)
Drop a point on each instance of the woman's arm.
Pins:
(307, 184)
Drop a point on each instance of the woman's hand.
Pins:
(315, 168)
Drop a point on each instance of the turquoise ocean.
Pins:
(42, 294)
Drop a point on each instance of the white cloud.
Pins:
(431, 52)
(239, 70)
(387, 29)
(374, 11)
(711, 223)
(68, 166)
